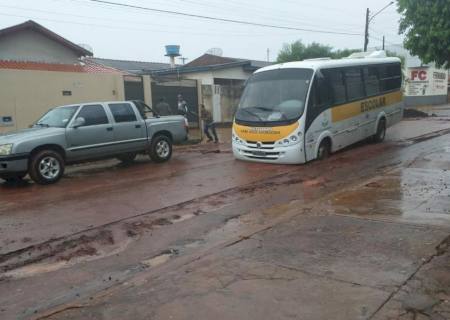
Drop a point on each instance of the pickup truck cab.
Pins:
(88, 131)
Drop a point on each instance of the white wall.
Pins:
(28, 45)
(207, 77)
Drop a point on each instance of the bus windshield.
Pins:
(275, 96)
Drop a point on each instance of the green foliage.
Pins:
(426, 26)
(297, 51)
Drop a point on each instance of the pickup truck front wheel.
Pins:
(161, 148)
(46, 167)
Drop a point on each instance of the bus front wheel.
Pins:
(324, 150)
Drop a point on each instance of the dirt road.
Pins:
(362, 235)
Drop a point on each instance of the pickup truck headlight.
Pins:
(5, 149)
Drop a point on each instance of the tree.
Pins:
(297, 51)
(426, 26)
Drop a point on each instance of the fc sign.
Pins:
(419, 75)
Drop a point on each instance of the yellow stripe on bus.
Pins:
(264, 134)
(353, 109)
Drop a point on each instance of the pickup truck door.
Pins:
(130, 133)
(94, 138)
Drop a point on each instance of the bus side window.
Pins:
(371, 81)
(355, 84)
(323, 93)
(337, 85)
(390, 77)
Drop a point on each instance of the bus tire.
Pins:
(381, 132)
(324, 150)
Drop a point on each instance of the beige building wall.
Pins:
(26, 95)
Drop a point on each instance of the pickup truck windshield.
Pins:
(58, 117)
(275, 96)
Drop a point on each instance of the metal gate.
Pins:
(169, 91)
(134, 88)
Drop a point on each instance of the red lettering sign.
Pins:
(422, 75)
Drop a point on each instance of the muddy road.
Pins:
(132, 242)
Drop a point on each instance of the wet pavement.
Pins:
(362, 235)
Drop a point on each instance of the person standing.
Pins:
(162, 107)
(208, 123)
(182, 106)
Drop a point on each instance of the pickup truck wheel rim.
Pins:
(49, 168)
(162, 149)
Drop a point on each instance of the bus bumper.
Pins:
(294, 154)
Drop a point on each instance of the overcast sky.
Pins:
(131, 34)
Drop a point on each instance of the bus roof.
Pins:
(316, 64)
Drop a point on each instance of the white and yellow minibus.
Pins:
(300, 111)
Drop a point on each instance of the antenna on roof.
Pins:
(87, 47)
(215, 52)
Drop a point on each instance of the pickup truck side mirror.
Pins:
(78, 122)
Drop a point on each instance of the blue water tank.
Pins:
(172, 50)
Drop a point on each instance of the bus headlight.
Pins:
(293, 139)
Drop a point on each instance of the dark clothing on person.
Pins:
(208, 123)
(163, 108)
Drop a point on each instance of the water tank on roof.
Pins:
(172, 50)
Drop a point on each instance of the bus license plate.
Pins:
(259, 153)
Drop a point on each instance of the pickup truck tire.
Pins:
(46, 167)
(127, 157)
(160, 148)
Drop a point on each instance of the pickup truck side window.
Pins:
(93, 115)
(122, 112)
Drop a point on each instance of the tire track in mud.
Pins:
(100, 241)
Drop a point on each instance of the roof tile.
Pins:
(88, 67)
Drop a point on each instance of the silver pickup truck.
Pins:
(88, 131)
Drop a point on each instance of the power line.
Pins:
(131, 29)
(272, 13)
(134, 22)
(221, 19)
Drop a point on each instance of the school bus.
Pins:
(300, 111)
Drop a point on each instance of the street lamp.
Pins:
(368, 20)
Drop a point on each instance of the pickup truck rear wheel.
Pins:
(46, 167)
(127, 157)
(161, 148)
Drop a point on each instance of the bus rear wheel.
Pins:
(324, 150)
(381, 132)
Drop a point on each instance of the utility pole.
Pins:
(368, 20)
(383, 43)
(366, 32)
(268, 55)
(183, 60)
